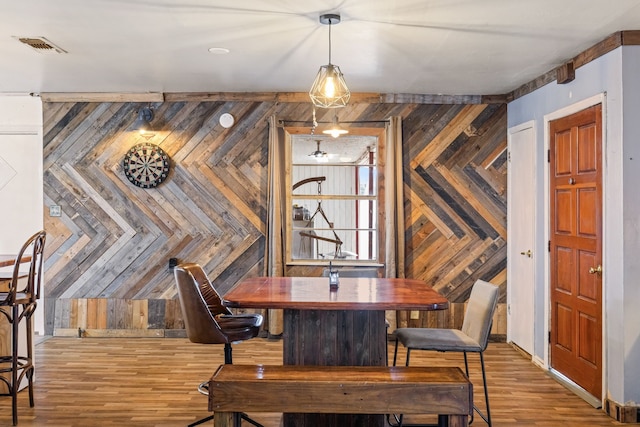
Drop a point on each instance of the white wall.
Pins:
(614, 74)
(631, 181)
(21, 178)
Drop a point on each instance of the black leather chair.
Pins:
(17, 305)
(208, 321)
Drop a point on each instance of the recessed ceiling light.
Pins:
(219, 50)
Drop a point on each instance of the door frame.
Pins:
(563, 112)
(512, 251)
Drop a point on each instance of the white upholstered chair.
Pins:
(472, 338)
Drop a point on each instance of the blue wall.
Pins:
(614, 80)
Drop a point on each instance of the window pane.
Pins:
(338, 213)
(348, 149)
(333, 198)
(322, 228)
(335, 180)
(314, 243)
(367, 181)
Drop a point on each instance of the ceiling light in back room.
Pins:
(335, 130)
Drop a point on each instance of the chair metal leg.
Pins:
(31, 368)
(14, 363)
(249, 420)
(228, 357)
(398, 420)
(395, 353)
(487, 417)
(466, 364)
(466, 371)
(203, 388)
(443, 421)
(242, 415)
(202, 421)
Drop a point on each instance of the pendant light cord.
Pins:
(329, 41)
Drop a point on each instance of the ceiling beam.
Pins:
(614, 41)
(283, 97)
(100, 97)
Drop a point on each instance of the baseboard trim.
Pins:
(120, 333)
(621, 413)
(539, 361)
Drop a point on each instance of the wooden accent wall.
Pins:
(108, 254)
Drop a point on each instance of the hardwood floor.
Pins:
(84, 382)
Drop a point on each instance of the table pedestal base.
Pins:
(334, 338)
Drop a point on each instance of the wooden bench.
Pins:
(339, 390)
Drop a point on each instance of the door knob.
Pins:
(529, 254)
(594, 270)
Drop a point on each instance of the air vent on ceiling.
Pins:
(41, 44)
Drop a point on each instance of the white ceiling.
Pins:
(452, 47)
(346, 149)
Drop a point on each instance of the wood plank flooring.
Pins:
(152, 382)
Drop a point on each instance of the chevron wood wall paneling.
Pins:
(107, 255)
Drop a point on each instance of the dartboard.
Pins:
(146, 165)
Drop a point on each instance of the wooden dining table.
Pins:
(334, 326)
(7, 260)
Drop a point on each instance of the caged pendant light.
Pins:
(329, 89)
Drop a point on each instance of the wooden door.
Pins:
(576, 247)
(520, 220)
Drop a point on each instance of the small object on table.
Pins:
(334, 278)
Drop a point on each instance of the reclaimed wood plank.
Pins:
(156, 310)
(92, 313)
(81, 316)
(139, 314)
(448, 134)
(186, 217)
(111, 333)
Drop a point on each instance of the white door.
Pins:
(520, 236)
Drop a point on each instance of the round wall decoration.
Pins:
(226, 120)
(146, 165)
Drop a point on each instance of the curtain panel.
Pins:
(394, 262)
(276, 197)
